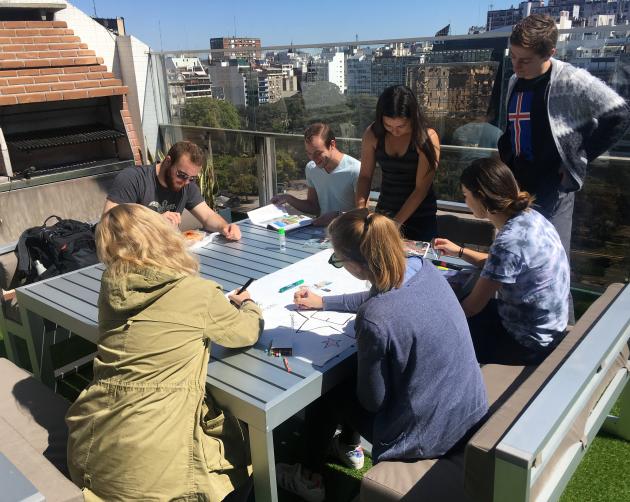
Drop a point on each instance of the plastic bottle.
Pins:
(282, 239)
(39, 267)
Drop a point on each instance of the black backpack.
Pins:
(65, 246)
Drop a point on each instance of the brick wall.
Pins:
(44, 61)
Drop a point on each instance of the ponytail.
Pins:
(374, 241)
(522, 202)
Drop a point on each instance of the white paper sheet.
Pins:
(316, 336)
(264, 214)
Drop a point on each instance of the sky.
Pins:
(189, 24)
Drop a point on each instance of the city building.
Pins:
(581, 13)
(496, 19)
(359, 74)
(337, 71)
(387, 71)
(455, 89)
(227, 83)
(187, 79)
(226, 48)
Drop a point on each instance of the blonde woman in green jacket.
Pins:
(144, 428)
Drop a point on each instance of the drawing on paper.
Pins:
(315, 336)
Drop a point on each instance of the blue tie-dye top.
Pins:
(528, 259)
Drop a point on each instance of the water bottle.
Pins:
(282, 239)
(39, 267)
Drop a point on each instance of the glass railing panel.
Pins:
(461, 84)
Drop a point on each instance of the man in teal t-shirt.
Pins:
(331, 177)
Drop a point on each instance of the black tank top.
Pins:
(398, 181)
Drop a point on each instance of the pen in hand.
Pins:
(241, 289)
(245, 286)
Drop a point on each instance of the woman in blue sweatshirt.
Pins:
(419, 388)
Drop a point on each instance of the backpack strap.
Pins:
(51, 216)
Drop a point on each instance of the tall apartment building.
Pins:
(388, 71)
(187, 79)
(359, 75)
(463, 89)
(275, 78)
(247, 48)
(337, 71)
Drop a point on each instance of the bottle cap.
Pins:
(281, 231)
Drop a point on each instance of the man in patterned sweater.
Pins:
(559, 118)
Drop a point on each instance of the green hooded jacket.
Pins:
(142, 430)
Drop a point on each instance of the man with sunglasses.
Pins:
(169, 187)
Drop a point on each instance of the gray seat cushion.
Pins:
(438, 479)
(35, 412)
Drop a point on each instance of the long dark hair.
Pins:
(492, 182)
(398, 101)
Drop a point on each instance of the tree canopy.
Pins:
(210, 112)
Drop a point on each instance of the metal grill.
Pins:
(27, 142)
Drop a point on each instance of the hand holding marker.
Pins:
(241, 289)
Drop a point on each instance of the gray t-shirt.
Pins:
(528, 259)
(140, 185)
(335, 190)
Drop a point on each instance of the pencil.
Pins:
(286, 364)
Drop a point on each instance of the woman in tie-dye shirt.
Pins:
(526, 266)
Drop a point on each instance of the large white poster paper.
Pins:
(316, 336)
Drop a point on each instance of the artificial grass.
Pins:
(603, 474)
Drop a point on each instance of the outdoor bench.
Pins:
(540, 422)
(33, 433)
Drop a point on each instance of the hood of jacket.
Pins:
(122, 297)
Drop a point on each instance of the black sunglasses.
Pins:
(186, 177)
(335, 262)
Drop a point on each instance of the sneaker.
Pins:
(351, 456)
(303, 483)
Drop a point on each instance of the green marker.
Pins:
(292, 285)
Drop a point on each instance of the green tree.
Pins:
(245, 185)
(286, 167)
(210, 112)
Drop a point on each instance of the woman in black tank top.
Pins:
(407, 152)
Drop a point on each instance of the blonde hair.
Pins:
(374, 241)
(131, 236)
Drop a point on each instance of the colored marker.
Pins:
(292, 285)
(286, 364)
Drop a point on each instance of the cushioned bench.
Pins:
(33, 433)
(469, 474)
